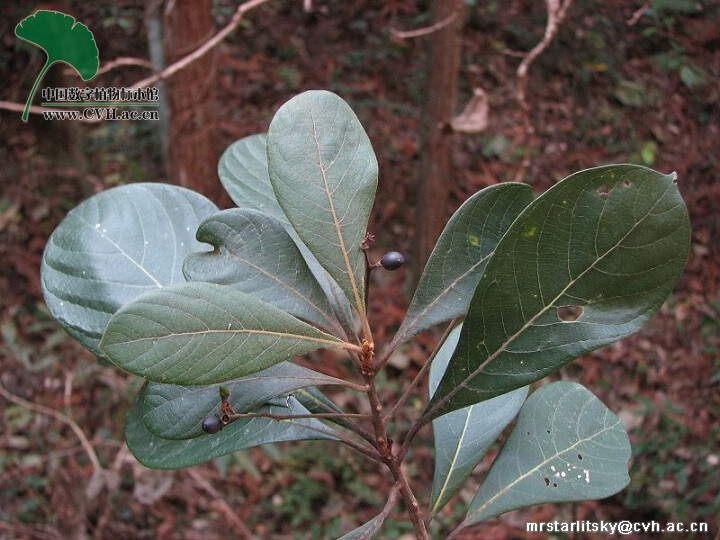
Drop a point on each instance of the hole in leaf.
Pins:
(528, 433)
(569, 313)
(603, 190)
(554, 484)
(627, 183)
(548, 432)
(547, 481)
(580, 456)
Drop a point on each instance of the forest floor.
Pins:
(617, 85)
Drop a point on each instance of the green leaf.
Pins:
(202, 333)
(64, 40)
(463, 437)
(585, 264)
(460, 255)
(177, 412)
(324, 173)
(254, 254)
(566, 446)
(366, 531)
(158, 453)
(243, 171)
(113, 247)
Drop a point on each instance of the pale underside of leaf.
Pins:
(610, 241)
(463, 437)
(243, 171)
(202, 333)
(326, 197)
(158, 453)
(254, 254)
(566, 446)
(177, 412)
(115, 246)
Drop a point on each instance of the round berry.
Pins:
(212, 424)
(392, 260)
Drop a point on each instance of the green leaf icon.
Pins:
(64, 40)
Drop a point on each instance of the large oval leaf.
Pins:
(202, 333)
(586, 263)
(157, 453)
(254, 254)
(324, 173)
(463, 437)
(460, 255)
(565, 446)
(114, 246)
(243, 171)
(176, 412)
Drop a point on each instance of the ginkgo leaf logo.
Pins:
(64, 40)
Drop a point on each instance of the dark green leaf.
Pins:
(158, 453)
(463, 437)
(566, 446)
(202, 333)
(64, 40)
(113, 247)
(585, 264)
(324, 173)
(176, 412)
(460, 255)
(254, 254)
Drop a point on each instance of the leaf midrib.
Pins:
(529, 323)
(338, 231)
(334, 343)
(508, 487)
(443, 488)
(122, 251)
(325, 316)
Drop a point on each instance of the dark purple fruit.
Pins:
(212, 424)
(392, 260)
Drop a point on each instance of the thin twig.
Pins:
(393, 463)
(204, 48)
(237, 524)
(89, 450)
(425, 31)
(632, 21)
(353, 386)
(348, 424)
(280, 417)
(387, 509)
(340, 437)
(406, 394)
(125, 61)
(556, 12)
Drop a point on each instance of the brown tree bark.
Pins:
(192, 141)
(436, 174)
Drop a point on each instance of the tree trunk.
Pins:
(444, 69)
(193, 153)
